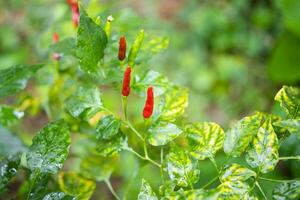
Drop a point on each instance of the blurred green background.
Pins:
(232, 55)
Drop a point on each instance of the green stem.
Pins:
(111, 189)
(142, 157)
(210, 182)
(214, 163)
(107, 110)
(290, 158)
(124, 107)
(275, 180)
(261, 190)
(161, 169)
(134, 130)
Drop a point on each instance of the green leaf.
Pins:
(234, 190)
(97, 168)
(58, 196)
(66, 46)
(75, 185)
(161, 133)
(50, 148)
(285, 59)
(91, 42)
(150, 78)
(15, 78)
(289, 99)
(194, 194)
(205, 139)
(8, 169)
(173, 104)
(287, 191)
(9, 140)
(112, 146)
(9, 115)
(264, 152)
(85, 101)
(236, 172)
(238, 138)
(155, 45)
(291, 16)
(292, 125)
(146, 192)
(107, 127)
(181, 168)
(135, 48)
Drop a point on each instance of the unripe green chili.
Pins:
(135, 48)
(107, 27)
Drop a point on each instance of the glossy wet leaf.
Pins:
(146, 192)
(205, 139)
(289, 99)
(236, 172)
(8, 169)
(75, 185)
(292, 125)
(9, 140)
(135, 48)
(238, 138)
(85, 101)
(287, 191)
(91, 42)
(181, 168)
(97, 168)
(58, 196)
(162, 133)
(112, 146)
(9, 115)
(263, 153)
(159, 82)
(50, 148)
(174, 104)
(15, 78)
(107, 127)
(66, 46)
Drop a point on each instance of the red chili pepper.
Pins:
(75, 11)
(149, 105)
(122, 48)
(126, 82)
(55, 37)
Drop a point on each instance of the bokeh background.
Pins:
(232, 55)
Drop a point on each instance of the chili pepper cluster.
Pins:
(149, 104)
(75, 11)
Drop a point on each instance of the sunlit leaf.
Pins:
(75, 185)
(161, 133)
(9, 115)
(15, 78)
(50, 148)
(85, 101)
(234, 190)
(264, 151)
(58, 196)
(107, 127)
(194, 194)
(238, 138)
(146, 192)
(181, 168)
(112, 146)
(236, 172)
(91, 42)
(97, 168)
(292, 125)
(8, 169)
(289, 99)
(173, 105)
(155, 45)
(159, 82)
(205, 139)
(287, 191)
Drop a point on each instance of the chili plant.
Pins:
(96, 61)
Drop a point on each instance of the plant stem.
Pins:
(161, 169)
(134, 130)
(214, 163)
(124, 107)
(261, 190)
(274, 180)
(142, 157)
(290, 158)
(107, 110)
(111, 189)
(210, 182)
